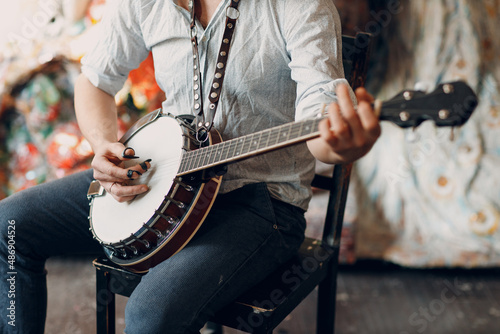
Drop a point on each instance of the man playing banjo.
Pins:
(281, 64)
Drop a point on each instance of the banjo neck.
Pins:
(249, 145)
(450, 104)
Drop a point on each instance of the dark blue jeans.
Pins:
(246, 236)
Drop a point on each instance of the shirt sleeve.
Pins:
(312, 31)
(119, 49)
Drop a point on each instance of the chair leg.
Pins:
(327, 298)
(105, 304)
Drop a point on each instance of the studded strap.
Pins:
(204, 124)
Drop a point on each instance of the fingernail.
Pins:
(127, 156)
(130, 174)
(144, 165)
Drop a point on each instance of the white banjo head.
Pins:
(161, 141)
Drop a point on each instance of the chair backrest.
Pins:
(355, 55)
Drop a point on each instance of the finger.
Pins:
(102, 177)
(146, 165)
(122, 192)
(338, 125)
(369, 120)
(326, 134)
(119, 151)
(363, 95)
(344, 100)
(136, 171)
(106, 170)
(349, 112)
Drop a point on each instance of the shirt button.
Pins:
(204, 39)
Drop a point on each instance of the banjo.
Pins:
(186, 176)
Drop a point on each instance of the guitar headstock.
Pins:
(450, 104)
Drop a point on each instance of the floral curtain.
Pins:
(429, 196)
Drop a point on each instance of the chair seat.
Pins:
(262, 307)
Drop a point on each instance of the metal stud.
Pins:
(404, 116)
(444, 114)
(216, 85)
(448, 89)
(408, 95)
(220, 66)
(214, 95)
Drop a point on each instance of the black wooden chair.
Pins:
(265, 306)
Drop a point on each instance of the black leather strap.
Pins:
(204, 124)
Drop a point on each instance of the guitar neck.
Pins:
(249, 145)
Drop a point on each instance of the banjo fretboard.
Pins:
(249, 145)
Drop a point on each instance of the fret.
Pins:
(217, 154)
(247, 145)
(210, 155)
(196, 159)
(299, 129)
(234, 145)
(308, 127)
(254, 141)
(281, 135)
(294, 131)
(182, 166)
(224, 151)
(264, 137)
(205, 155)
(189, 160)
(286, 134)
(274, 137)
(200, 157)
(186, 161)
(228, 147)
(239, 146)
